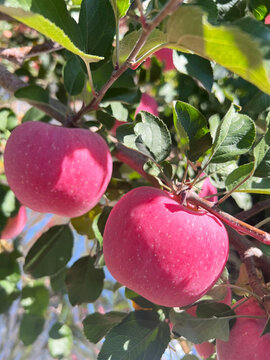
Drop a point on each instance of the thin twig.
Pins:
(87, 64)
(142, 17)
(229, 193)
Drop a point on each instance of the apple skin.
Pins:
(208, 189)
(52, 169)
(147, 103)
(15, 225)
(163, 55)
(166, 253)
(245, 341)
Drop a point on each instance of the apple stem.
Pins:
(238, 225)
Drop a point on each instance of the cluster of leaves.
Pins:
(221, 56)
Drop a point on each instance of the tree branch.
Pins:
(93, 105)
(252, 256)
(260, 206)
(11, 83)
(19, 55)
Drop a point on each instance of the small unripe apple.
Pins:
(167, 253)
(165, 56)
(52, 169)
(14, 225)
(208, 189)
(245, 341)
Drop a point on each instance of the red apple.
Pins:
(205, 350)
(246, 342)
(147, 103)
(15, 225)
(167, 253)
(163, 55)
(59, 170)
(208, 189)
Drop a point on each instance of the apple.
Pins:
(163, 55)
(208, 189)
(53, 169)
(245, 341)
(14, 225)
(167, 253)
(147, 103)
(205, 350)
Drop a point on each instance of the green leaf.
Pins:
(153, 43)
(9, 277)
(119, 112)
(195, 66)
(120, 8)
(219, 172)
(207, 310)
(8, 293)
(209, 6)
(255, 185)
(140, 335)
(154, 135)
(96, 326)
(83, 224)
(31, 327)
(99, 223)
(261, 154)
(193, 134)
(34, 93)
(35, 299)
(74, 77)
(51, 19)
(9, 205)
(34, 114)
(57, 281)
(84, 282)
(190, 357)
(234, 136)
(50, 253)
(239, 175)
(8, 119)
(149, 136)
(266, 329)
(198, 330)
(229, 45)
(97, 25)
(60, 340)
(138, 299)
(9, 267)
